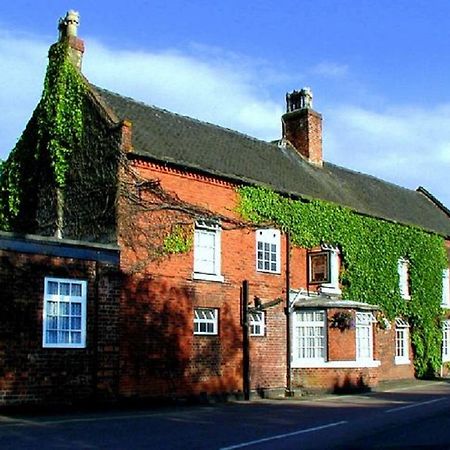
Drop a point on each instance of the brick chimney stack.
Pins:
(302, 126)
(68, 30)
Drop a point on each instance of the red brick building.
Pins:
(168, 316)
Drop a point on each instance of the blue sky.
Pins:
(379, 70)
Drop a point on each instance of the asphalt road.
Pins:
(413, 416)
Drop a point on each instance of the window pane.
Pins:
(64, 308)
(64, 288)
(52, 288)
(76, 290)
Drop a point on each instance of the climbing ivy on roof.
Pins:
(53, 133)
(370, 249)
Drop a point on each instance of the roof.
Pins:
(301, 299)
(171, 138)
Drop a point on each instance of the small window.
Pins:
(206, 321)
(404, 278)
(207, 253)
(257, 323)
(268, 250)
(64, 314)
(310, 335)
(401, 341)
(446, 288)
(446, 341)
(364, 335)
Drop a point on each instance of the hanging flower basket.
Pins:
(383, 322)
(342, 320)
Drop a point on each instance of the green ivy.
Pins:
(60, 123)
(57, 130)
(178, 241)
(370, 249)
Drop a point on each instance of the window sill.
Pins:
(330, 289)
(65, 346)
(335, 364)
(208, 277)
(445, 306)
(273, 272)
(402, 361)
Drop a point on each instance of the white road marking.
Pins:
(415, 405)
(282, 436)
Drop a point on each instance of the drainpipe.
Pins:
(245, 342)
(288, 316)
(95, 332)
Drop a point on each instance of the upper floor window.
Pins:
(364, 335)
(206, 321)
(309, 335)
(64, 313)
(257, 323)
(207, 252)
(268, 250)
(323, 269)
(401, 341)
(446, 288)
(404, 278)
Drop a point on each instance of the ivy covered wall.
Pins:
(370, 249)
(61, 177)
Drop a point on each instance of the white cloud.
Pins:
(214, 89)
(408, 146)
(23, 67)
(330, 69)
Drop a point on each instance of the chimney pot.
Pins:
(68, 30)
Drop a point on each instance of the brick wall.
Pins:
(31, 374)
(161, 294)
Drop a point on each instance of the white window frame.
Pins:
(257, 323)
(401, 342)
(333, 286)
(364, 335)
(306, 329)
(210, 324)
(404, 277)
(55, 320)
(446, 341)
(209, 267)
(268, 250)
(445, 288)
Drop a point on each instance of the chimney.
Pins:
(68, 28)
(302, 126)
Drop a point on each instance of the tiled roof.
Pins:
(171, 138)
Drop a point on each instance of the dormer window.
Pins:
(404, 278)
(323, 269)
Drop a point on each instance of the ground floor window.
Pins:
(446, 341)
(401, 341)
(309, 335)
(364, 335)
(64, 314)
(206, 321)
(257, 323)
